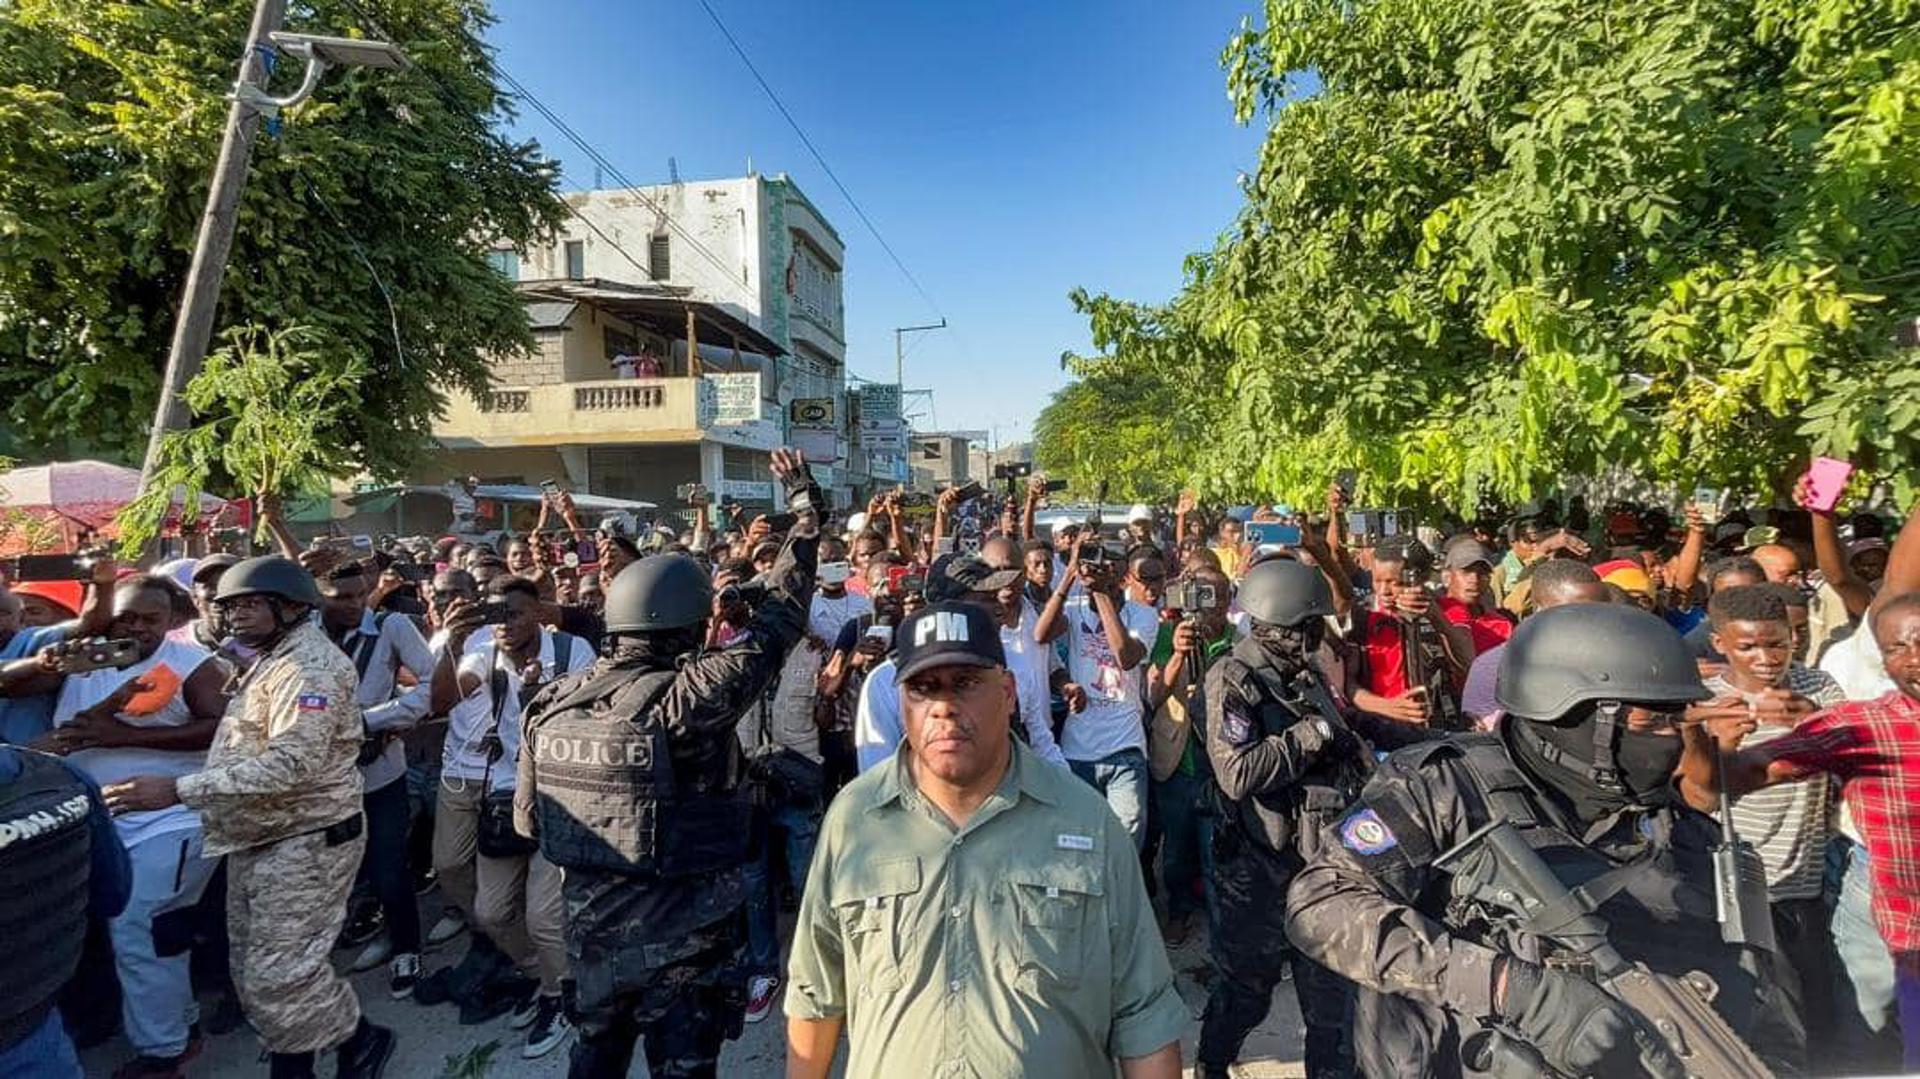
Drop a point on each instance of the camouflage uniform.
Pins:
(280, 778)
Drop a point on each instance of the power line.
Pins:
(820, 159)
(521, 93)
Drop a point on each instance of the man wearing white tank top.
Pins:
(155, 717)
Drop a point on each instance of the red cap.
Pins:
(66, 594)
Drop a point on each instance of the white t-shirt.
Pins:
(481, 657)
(1112, 720)
(169, 667)
(828, 613)
(1031, 662)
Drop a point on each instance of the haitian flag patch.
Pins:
(311, 702)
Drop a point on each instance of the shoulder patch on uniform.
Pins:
(311, 702)
(1363, 832)
(1236, 727)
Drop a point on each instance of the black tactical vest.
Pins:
(609, 797)
(45, 856)
(1291, 820)
(1650, 881)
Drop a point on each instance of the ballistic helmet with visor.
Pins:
(268, 575)
(1283, 592)
(659, 592)
(1562, 658)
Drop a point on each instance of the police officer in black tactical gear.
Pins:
(1582, 768)
(1284, 762)
(61, 862)
(634, 782)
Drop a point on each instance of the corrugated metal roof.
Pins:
(549, 315)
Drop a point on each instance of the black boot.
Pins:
(290, 1066)
(364, 1056)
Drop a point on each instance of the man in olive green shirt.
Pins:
(972, 911)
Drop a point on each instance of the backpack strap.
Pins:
(365, 644)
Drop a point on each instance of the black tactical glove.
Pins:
(1578, 1029)
(1309, 737)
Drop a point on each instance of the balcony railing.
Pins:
(604, 398)
(613, 410)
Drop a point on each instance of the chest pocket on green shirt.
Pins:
(874, 901)
(1057, 904)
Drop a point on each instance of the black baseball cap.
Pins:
(946, 634)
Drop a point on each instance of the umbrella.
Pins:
(75, 496)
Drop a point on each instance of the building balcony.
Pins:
(645, 410)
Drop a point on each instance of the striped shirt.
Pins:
(1873, 747)
(1788, 824)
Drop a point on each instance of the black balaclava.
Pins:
(1289, 648)
(1567, 756)
(659, 648)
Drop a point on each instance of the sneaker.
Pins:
(424, 881)
(373, 955)
(526, 1011)
(550, 1028)
(760, 997)
(403, 975)
(450, 925)
(363, 924)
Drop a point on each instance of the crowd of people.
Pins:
(994, 770)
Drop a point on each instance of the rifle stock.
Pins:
(1678, 1010)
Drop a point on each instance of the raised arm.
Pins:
(1829, 555)
(1684, 571)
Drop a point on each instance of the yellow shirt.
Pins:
(1020, 945)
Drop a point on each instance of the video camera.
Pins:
(50, 567)
(1018, 470)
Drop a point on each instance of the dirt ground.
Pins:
(432, 1040)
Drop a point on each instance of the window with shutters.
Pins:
(659, 258)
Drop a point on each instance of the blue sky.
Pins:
(1007, 151)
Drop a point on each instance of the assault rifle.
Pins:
(1424, 656)
(1496, 866)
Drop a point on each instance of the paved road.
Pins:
(431, 1039)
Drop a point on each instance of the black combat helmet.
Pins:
(660, 591)
(1283, 592)
(268, 575)
(1583, 653)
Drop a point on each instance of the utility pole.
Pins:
(194, 327)
(900, 354)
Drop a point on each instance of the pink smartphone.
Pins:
(1828, 478)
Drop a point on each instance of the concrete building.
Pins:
(671, 338)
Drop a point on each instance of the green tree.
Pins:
(1504, 242)
(268, 411)
(384, 187)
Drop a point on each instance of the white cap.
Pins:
(1139, 512)
(857, 523)
(1062, 524)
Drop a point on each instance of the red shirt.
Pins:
(1383, 648)
(1487, 628)
(1873, 747)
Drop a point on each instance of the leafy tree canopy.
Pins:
(1508, 242)
(110, 121)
